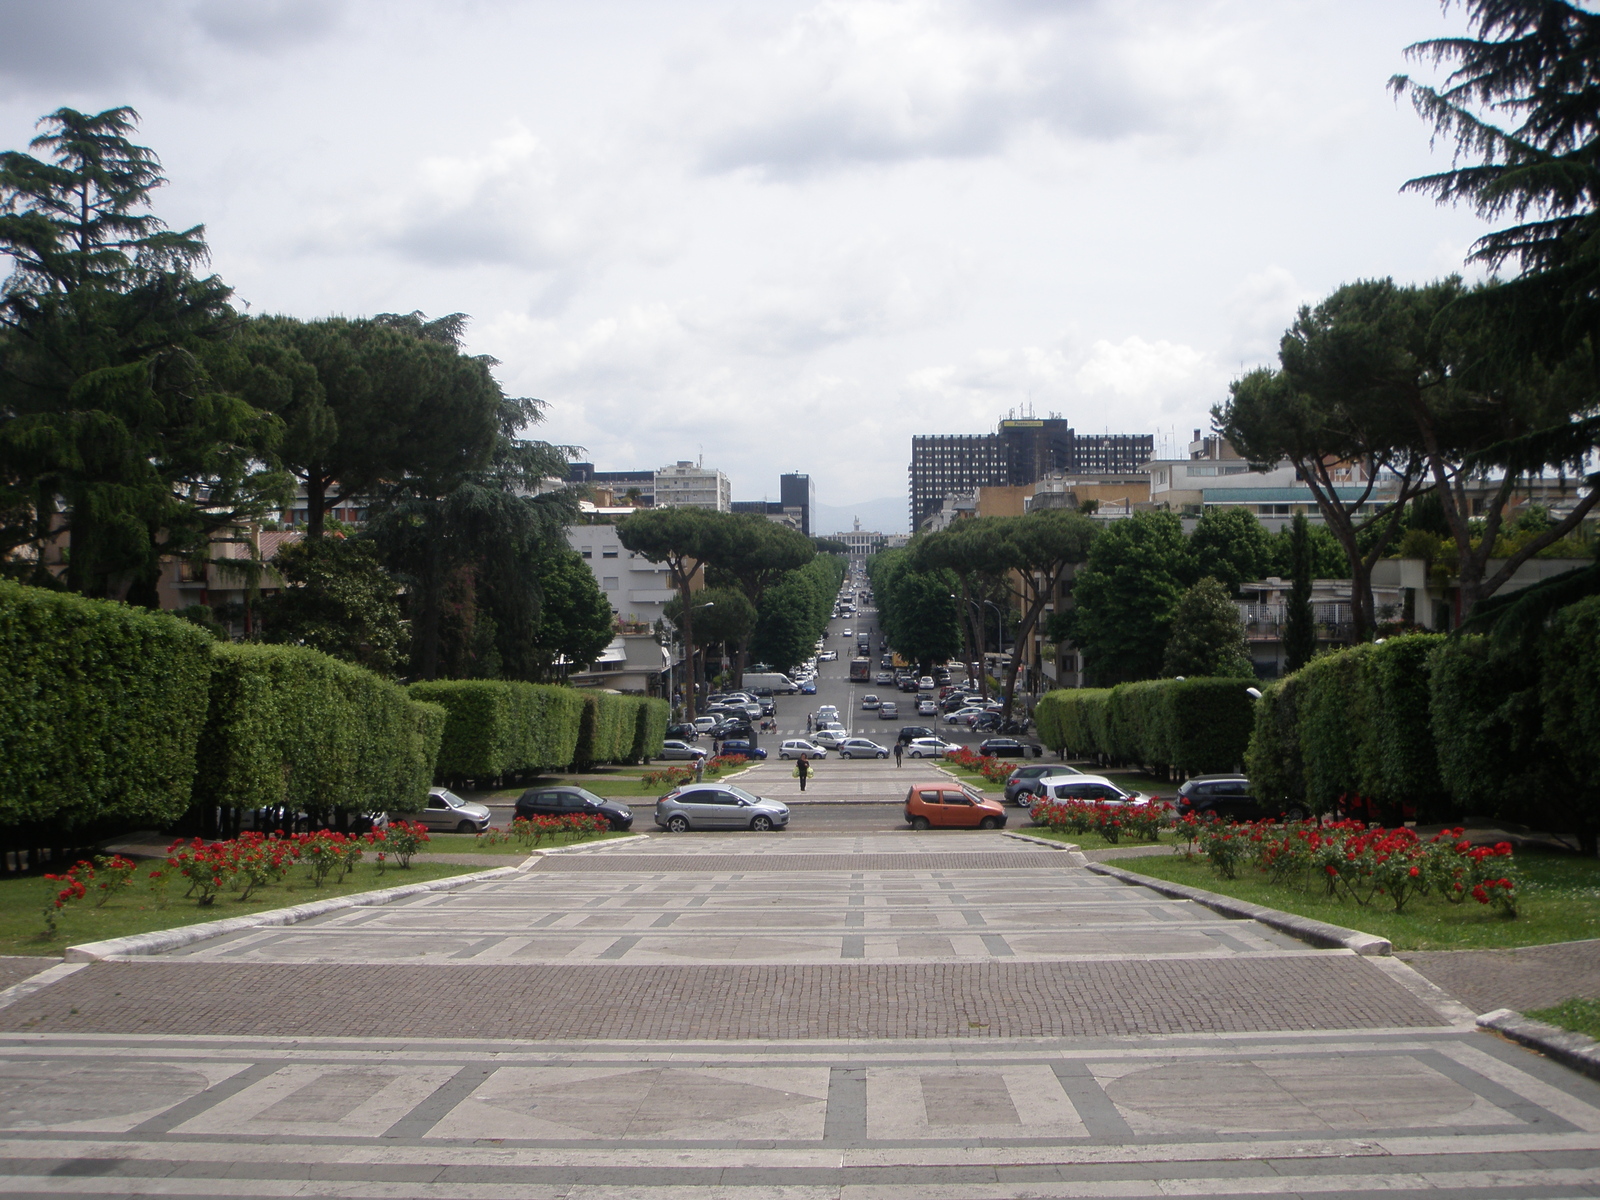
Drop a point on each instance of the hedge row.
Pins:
(495, 727)
(101, 707)
(1355, 723)
(116, 714)
(289, 726)
(1193, 726)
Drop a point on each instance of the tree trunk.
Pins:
(316, 504)
(688, 642)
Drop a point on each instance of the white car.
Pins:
(925, 683)
(930, 747)
(869, 702)
(844, 633)
(828, 712)
(831, 739)
(706, 724)
(963, 716)
(862, 748)
(828, 656)
(449, 813)
(801, 748)
(926, 708)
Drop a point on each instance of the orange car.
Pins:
(949, 804)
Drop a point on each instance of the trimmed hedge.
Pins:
(649, 729)
(101, 706)
(290, 726)
(496, 727)
(1195, 726)
(1569, 685)
(1273, 762)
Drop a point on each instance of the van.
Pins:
(780, 683)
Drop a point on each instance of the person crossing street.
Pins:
(899, 753)
(803, 769)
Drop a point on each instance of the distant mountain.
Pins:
(888, 514)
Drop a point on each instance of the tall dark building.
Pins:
(1020, 451)
(797, 491)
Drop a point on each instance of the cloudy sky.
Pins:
(783, 235)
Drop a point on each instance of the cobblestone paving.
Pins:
(1528, 977)
(745, 1018)
(14, 968)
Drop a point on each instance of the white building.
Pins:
(636, 588)
(687, 485)
(862, 543)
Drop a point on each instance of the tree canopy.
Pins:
(1207, 638)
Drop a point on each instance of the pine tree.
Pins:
(1300, 633)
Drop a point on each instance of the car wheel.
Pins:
(678, 824)
(761, 824)
(916, 754)
(989, 823)
(1025, 799)
(920, 823)
(844, 754)
(885, 754)
(1295, 813)
(466, 827)
(1208, 815)
(783, 756)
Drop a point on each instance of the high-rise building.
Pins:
(1019, 451)
(797, 491)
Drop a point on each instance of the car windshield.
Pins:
(589, 797)
(450, 798)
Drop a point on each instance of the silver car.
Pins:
(718, 806)
(449, 813)
(673, 748)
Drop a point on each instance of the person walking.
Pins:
(803, 769)
(899, 753)
(808, 722)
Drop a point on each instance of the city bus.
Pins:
(860, 670)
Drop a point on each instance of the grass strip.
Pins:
(1578, 1015)
(1559, 902)
(470, 843)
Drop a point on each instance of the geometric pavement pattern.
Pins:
(1008, 1030)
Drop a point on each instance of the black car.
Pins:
(1003, 747)
(566, 801)
(684, 733)
(734, 729)
(1212, 797)
(909, 733)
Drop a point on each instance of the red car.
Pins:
(948, 805)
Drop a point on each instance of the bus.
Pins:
(860, 670)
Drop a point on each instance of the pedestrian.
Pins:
(803, 769)
(899, 753)
(808, 722)
(699, 767)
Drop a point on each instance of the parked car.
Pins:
(1230, 797)
(862, 748)
(742, 746)
(565, 801)
(828, 656)
(801, 748)
(908, 733)
(674, 748)
(449, 813)
(830, 738)
(1023, 784)
(888, 711)
(949, 805)
(869, 702)
(927, 708)
(684, 732)
(962, 716)
(1004, 747)
(930, 747)
(1094, 789)
(718, 806)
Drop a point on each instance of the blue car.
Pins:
(740, 746)
(808, 688)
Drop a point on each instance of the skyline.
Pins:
(788, 237)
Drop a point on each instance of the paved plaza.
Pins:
(781, 1015)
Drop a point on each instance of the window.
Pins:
(727, 799)
(587, 551)
(611, 553)
(929, 797)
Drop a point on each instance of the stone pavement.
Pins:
(1525, 978)
(899, 1015)
(839, 779)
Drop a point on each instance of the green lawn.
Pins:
(469, 843)
(1559, 902)
(136, 910)
(1580, 1016)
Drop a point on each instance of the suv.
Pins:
(1023, 784)
(1210, 797)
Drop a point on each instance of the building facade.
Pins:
(636, 588)
(689, 485)
(1020, 451)
(797, 491)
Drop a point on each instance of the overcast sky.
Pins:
(786, 236)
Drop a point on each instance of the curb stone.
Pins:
(161, 940)
(1318, 933)
(1575, 1050)
(535, 855)
(35, 983)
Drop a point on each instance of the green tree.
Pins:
(1207, 637)
(1125, 596)
(1300, 630)
(575, 620)
(1036, 551)
(1328, 559)
(785, 629)
(1231, 546)
(111, 430)
(754, 553)
(916, 609)
(968, 550)
(685, 540)
(338, 599)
